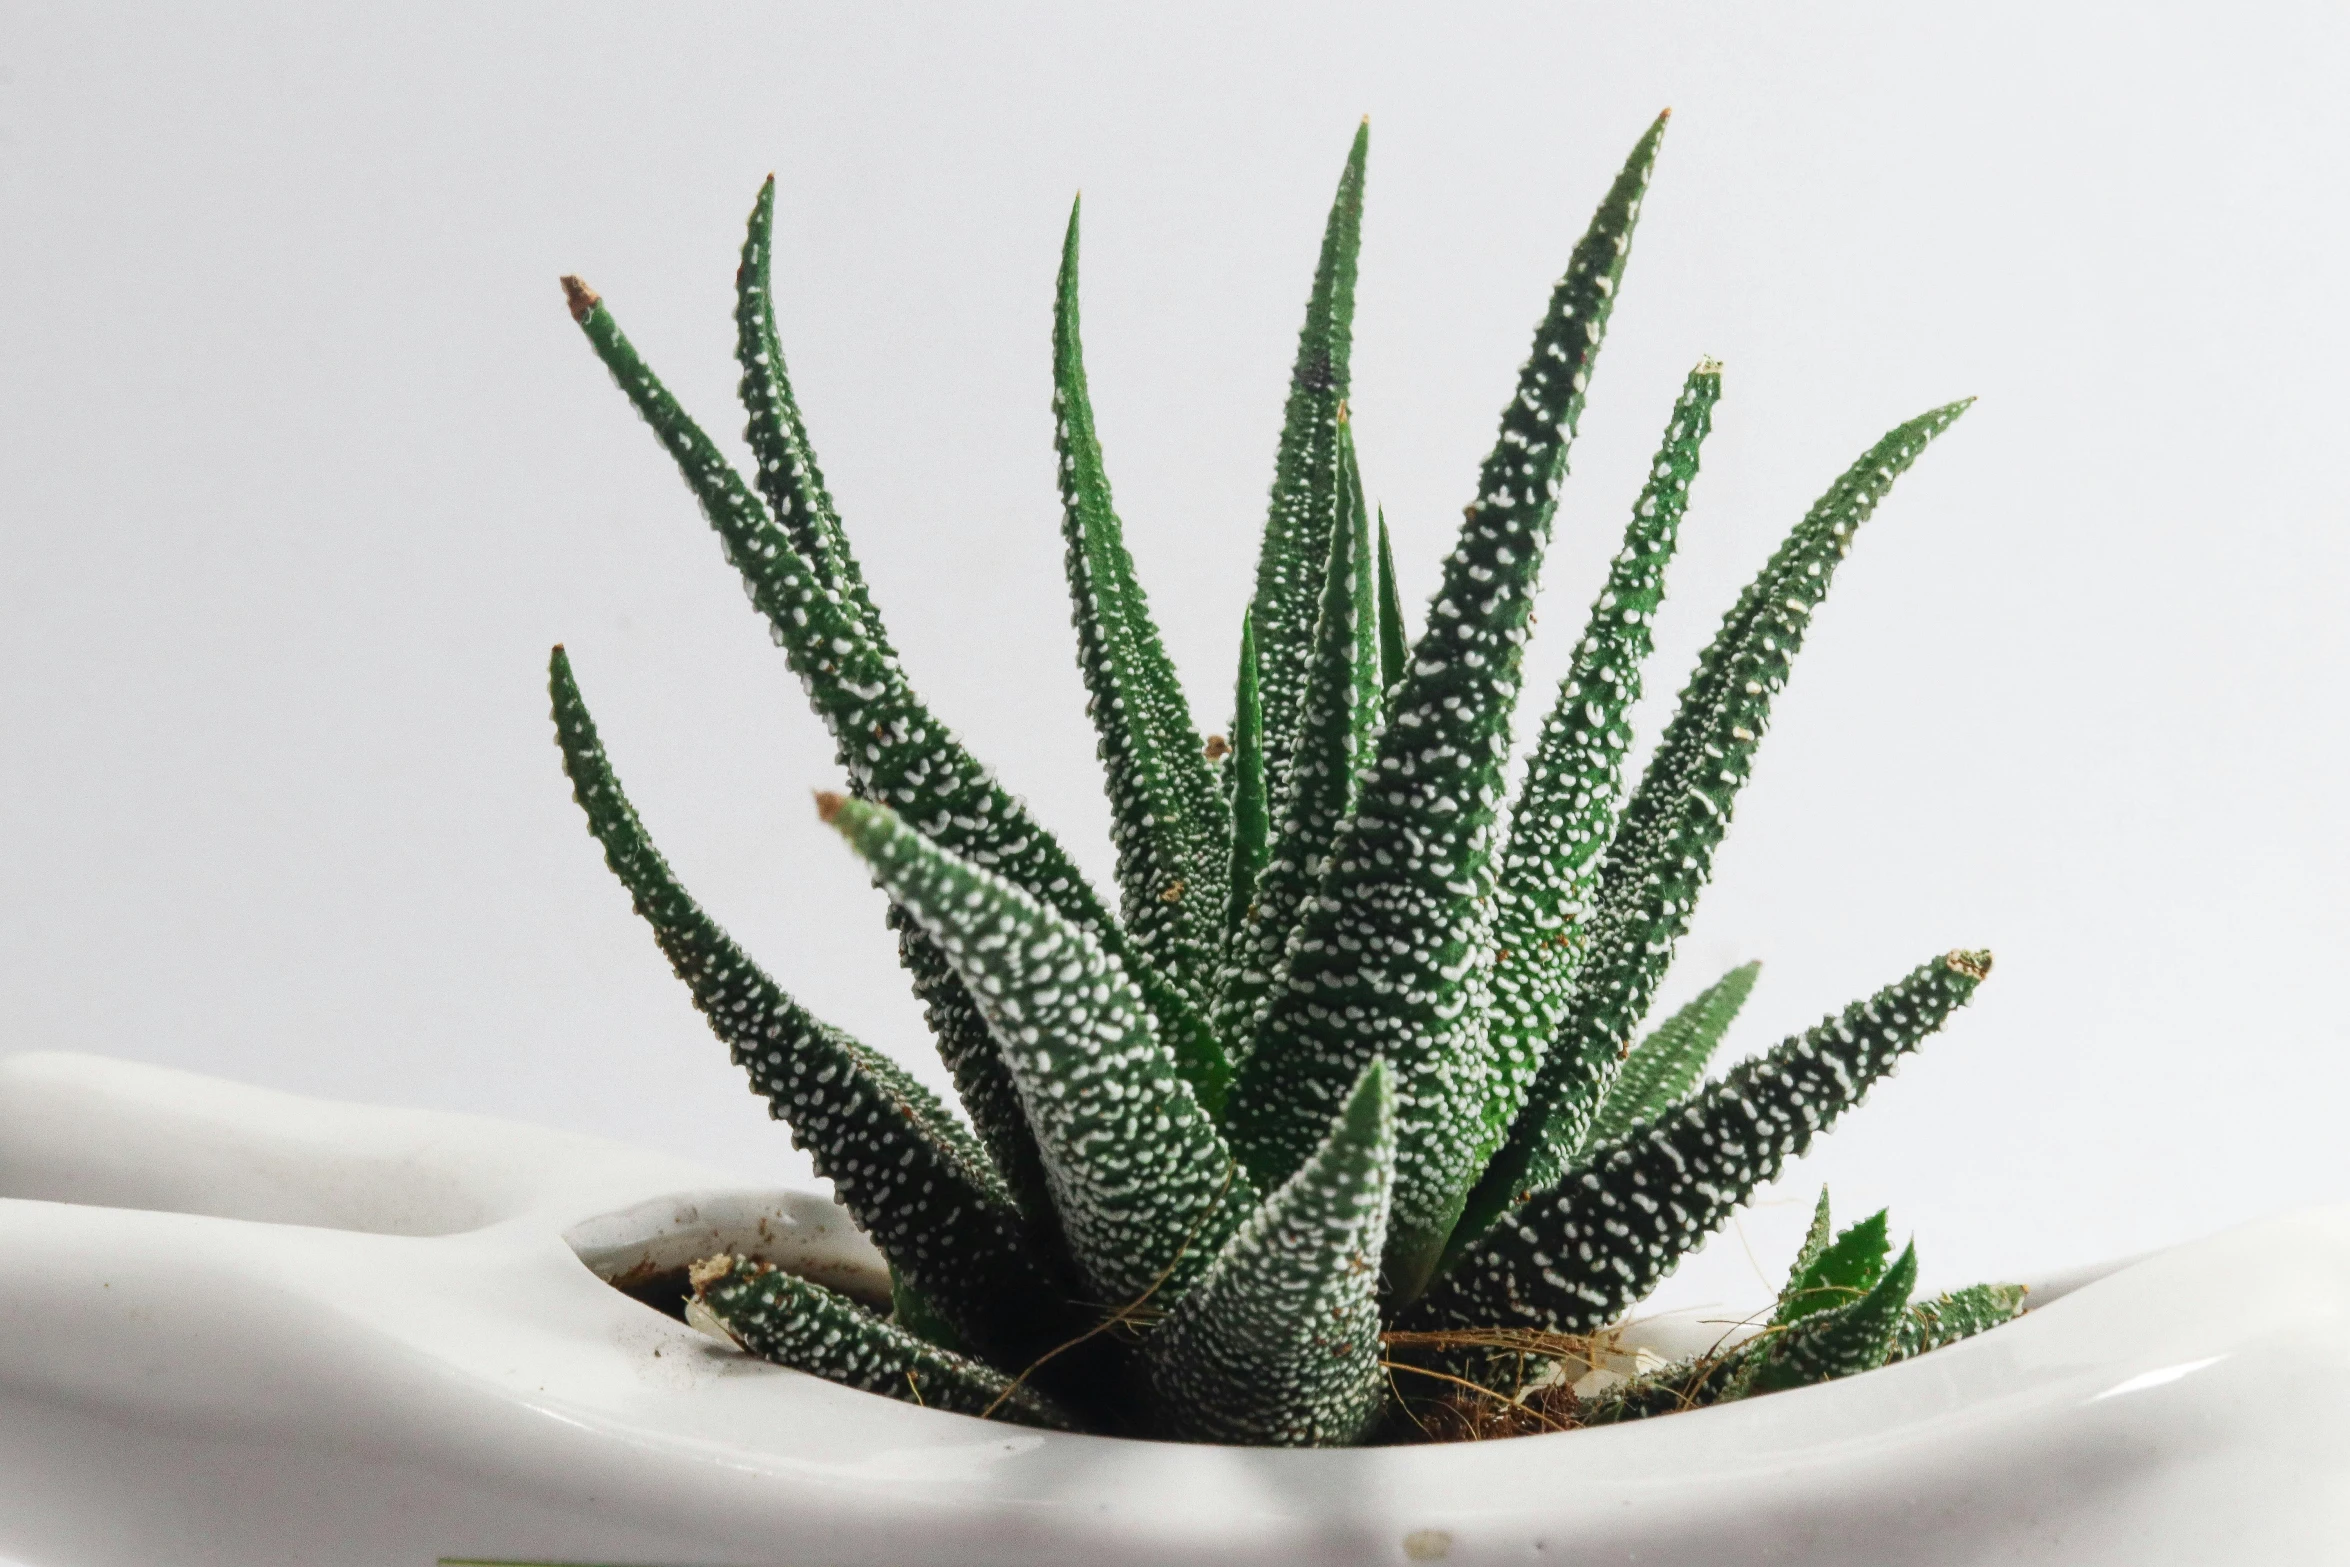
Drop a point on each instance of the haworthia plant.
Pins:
(1349, 1071)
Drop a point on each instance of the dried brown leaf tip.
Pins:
(581, 298)
(828, 804)
(1974, 965)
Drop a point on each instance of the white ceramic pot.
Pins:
(238, 1326)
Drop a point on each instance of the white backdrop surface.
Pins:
(305, 467)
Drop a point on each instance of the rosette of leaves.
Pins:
(1350, 1050)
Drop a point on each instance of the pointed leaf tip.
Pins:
(1974, 965)
(828, 804)
(581, 298)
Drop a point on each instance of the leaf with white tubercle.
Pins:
(781, 1317)
(789, 479)
(1277, 1344)
(1339, 716)
(1167, 819)
(1665, 1066)
(1842, 1340)
(1305, 501)
(1958, 1314)
(906, 1170)
(1144, 1187)
(1838, 1273)
(1252, 829)
(1860, 1333)
(1387, 960)
(1570, 1259)
(1394, 636)
(894, 748)
(1566, 808)
(1663, 849)
(787, 473)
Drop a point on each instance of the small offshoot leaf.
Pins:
(1844, 1340)
(1843, 1271)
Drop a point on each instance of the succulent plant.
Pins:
(1346, 1083)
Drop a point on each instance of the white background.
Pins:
(303, 467)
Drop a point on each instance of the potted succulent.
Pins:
(1339, 1111)
(1337, 1130)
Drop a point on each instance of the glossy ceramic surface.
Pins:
(242, 1327)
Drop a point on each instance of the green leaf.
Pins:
(1932, 1324)
(1277, 1345)
(1815, 1239)
(1388, 961)
(1252, 826)
(906, 1170)
(1843, 1340)
(895, 750)
(1566, 808)
(911, 1310)
(1145, 1188)
(1665, 1066)
(1341, 710)
(1663, 849)
(1570, 1259)
(1306, 497)
(1166, 817)
(1841, 1272)
(784, 1318)
(787, 473)
(1394, 636)
(794, 489)
(982, 1082)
